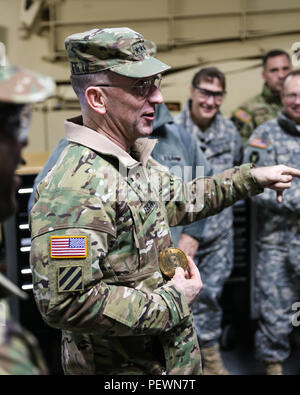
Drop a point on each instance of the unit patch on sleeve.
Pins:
(243, 116)
(64, 247)
(70, 278)
(259, 143)
(254, 157)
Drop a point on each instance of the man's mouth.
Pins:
(148, 115)
(297, 110)
(208, 109)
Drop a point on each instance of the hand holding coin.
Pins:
(189, 281)
(170, 259)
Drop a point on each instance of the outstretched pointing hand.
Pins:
(277, 177)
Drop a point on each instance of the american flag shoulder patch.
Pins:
(64, 247)
(259, 143)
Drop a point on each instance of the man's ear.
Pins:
(191, 91)
(96, 99)
(263, 75)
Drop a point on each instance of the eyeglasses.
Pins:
(292, 97)
(205, 94)
(142, 88)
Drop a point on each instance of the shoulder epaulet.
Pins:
(242, 115)
(259, 143)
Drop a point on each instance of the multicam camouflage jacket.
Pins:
(277, 142)
(100, 221)
(19, 351)
(259, 109)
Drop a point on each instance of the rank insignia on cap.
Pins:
(243, 115)
(259, 143)
(68, 247)
(69, 278)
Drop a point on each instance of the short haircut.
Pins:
(208, 74)
(272, 54)
(293, 73)
(80, 82)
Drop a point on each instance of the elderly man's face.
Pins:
(10, 156)
(291, 98)
(129, 111)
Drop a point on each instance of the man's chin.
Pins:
(208, 115)
(146, 131)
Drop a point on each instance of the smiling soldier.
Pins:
(278, 238)
(222, 147)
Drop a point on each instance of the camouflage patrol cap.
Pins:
(120, 50)
(18, 85)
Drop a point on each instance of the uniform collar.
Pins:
(288, 124)
(269, 96)
(80, 134)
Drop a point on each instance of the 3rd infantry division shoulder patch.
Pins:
(69, 278)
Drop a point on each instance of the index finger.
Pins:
(279, 196)
(292, 171)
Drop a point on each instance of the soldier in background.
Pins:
(265, 106)
(222, 147)
(181, 153)
(278, 238)
(19, 350)
(102, 214)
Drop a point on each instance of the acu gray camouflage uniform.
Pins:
(278, 239)
(222, 147)
(117, 312)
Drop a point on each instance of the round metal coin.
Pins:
(171, 258)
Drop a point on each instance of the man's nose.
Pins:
(210, 100)
(156, 96)
(282, 74)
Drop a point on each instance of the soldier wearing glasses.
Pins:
(222, 146)
(102, 214)
(278, 239)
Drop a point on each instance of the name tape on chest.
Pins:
(63, 247)
(259, 143)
